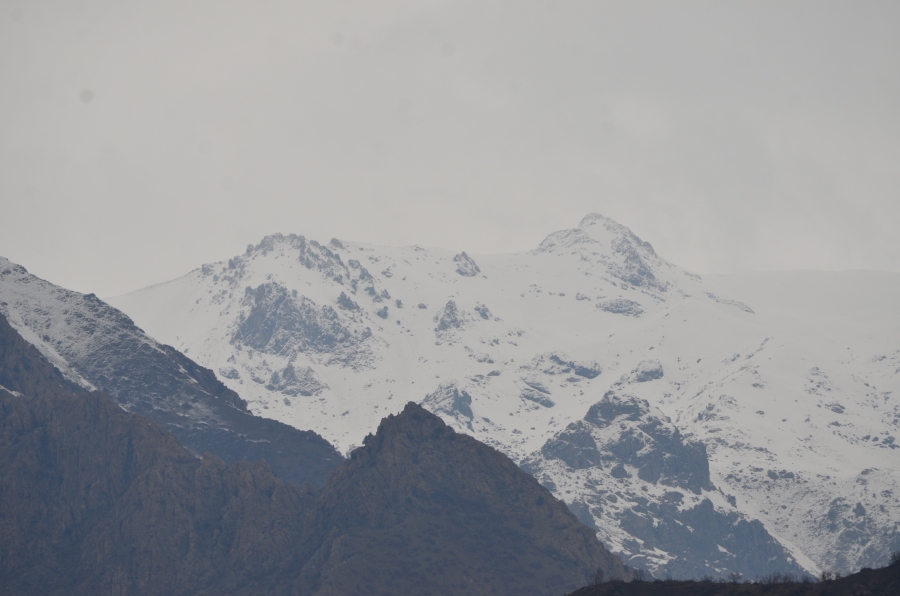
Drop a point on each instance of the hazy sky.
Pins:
(141, 139)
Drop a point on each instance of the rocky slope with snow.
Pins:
(97, 346)
(701, 424)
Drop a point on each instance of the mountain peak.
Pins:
(615, 246)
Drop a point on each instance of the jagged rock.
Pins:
(623, 433)
(652, 444)
(277, 321)
(450, 400)
(537, 397)
(621, 306)
(449, 319)
(465, 266)
(229, 373)
(575, 446)
(483, 312)
(345, 302)
(382, 312)
(296, 381)
(648, 370)
(619, 471)
(535, 391)
(553, 363)
(726, 540)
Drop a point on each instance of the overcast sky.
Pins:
(139, 140)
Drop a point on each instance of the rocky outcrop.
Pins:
(465, 265)
(637, 464)
(448, 320)
(621, 306)
(294, 381)
(553, 363)
(450, 400)
(278, 321)
(647, 370)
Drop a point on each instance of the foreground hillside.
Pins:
(95, 500)
(703, 425)
(867, 582)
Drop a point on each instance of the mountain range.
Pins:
(701, 425)
(756, 405)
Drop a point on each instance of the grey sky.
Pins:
(141, 139)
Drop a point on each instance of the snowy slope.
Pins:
(789, 382)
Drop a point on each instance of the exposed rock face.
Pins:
(465, 266)
(621, 306)
(629, 452)
(535, 391)
(449, 319)
(103, 348)
(450, 400)
(277, 321)
(648, 370)
(295, 381)
(559, 364)
(575, 446)
(96, 500)
(652, 445)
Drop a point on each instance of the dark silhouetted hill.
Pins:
(868, 582)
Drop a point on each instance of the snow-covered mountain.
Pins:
(701, 424)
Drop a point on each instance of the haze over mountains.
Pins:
(702, 425)
(785, 385)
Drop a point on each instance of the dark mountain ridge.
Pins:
(866, 582)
